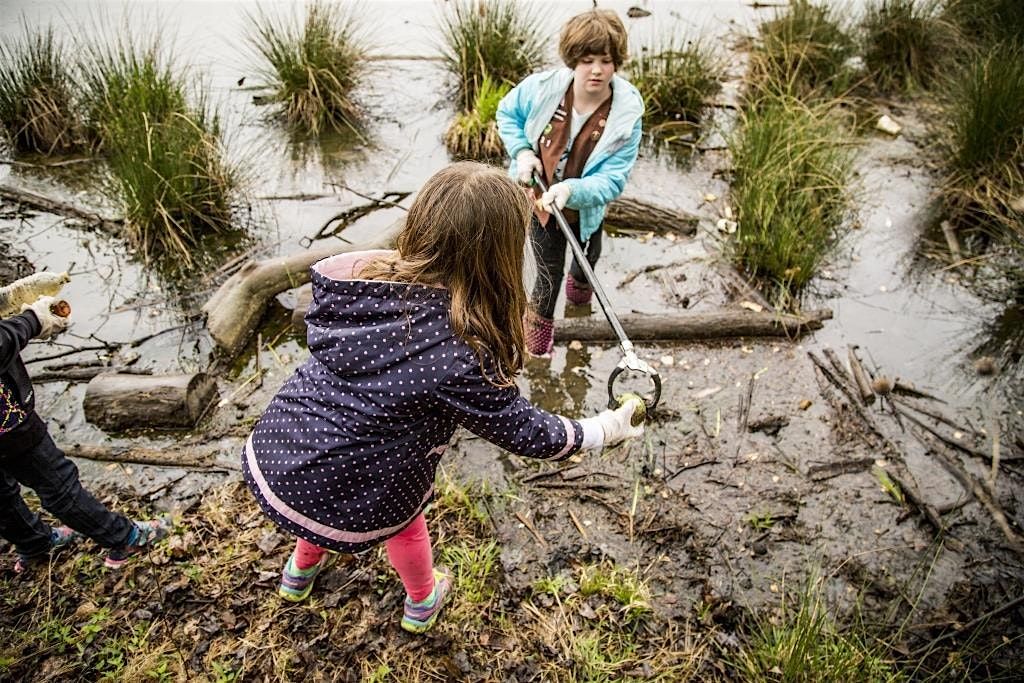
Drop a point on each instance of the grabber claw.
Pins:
(630, 361)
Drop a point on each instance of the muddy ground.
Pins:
(708, 524)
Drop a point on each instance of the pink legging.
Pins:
(409, 553)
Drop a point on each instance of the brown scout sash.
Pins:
(553, 141)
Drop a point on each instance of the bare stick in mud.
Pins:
(235, 309)
(61, 208)
(693, 326)
(188, 458)
(860, 376)
(974, 486)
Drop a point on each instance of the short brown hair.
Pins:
(595, 32)
(466, 231)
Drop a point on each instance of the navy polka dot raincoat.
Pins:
(345, 454)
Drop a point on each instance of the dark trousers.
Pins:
(549, 247)
(45, 469)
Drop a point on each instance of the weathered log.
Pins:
(304, 296)
(114, 402)
(633, 215)
(860, 377)
(235, 309)
(693, 326)
(55, 206)
(193, 458)
(83, 374)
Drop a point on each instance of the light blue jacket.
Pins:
(527, 109)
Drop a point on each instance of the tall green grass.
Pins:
(502, 40)
(986, 22)
(167, 167)
(906, 43)
(984, 152)
(805, 645)
(802, 52)
(37, 107)
(313, 64)
(789, 191)
(474, 133)
(676, 80)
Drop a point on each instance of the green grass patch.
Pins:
(37, 107)
(985, 22)
(624, 586)
(791, 169)
(802, 52)
(676, 80)
(312, 64)
(983, 184)
(502, 40)
(906, 43)
(167, 166)
(474, 133)
(803, 643)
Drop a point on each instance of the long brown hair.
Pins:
(466, 231)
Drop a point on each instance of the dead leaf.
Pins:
(751, 306)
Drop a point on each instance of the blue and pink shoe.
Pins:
(143, 537)
(61, 538)
(420, 616)
(296, 583)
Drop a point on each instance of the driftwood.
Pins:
(41, 203)
(693, 326)
(115, 402)
(235, 309)
(83, 374)
(192, 458)
(860, 377)
(633, 215)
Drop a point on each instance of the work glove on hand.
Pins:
(50, 322)
(526, 164)
(557, 195)
(612, 426)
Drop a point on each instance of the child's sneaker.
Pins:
(60, 538)
(143, 536)
(576, 292)
(420, 616)
(296, 583)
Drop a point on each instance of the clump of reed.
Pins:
(983, 185)
(474, 133)
(791, 170)
(501, 40)
(906, 43)
(167, 167)
(37, 107)
(313, 65)
(803, 52)
(985, 22)
(676, 80)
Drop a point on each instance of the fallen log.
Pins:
(116, 402)
(633, 215)
(693, 326)
(191, 458)
(235, 309)
(55, 206)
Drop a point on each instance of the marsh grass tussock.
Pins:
(802, 51)
(676, 79)
(474, 133)
(312, 64)
(791, 170)
(906, 43)
(161, 140)
(501, 40)
(987, 22)
(37, 104)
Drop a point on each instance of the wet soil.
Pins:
(718, 520)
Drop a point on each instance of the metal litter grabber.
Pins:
(630, 361)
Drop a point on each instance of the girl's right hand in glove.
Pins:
(50, 322)
(526, 164)
(612, 426)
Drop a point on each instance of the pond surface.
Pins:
(918, 323)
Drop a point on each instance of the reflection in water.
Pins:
(562, 392)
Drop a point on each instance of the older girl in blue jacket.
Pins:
(406, 346)
(579, 127)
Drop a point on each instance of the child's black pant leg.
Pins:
(19, 525)
(45, 469)
(549, 251)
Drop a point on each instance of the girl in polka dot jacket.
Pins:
(406, 346)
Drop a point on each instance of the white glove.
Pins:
(611, 426)
(526, 164)
(50, 322)
(557, 195)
